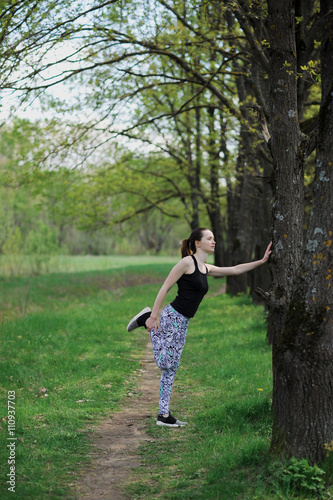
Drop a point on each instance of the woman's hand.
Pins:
(151, 323)
(267, 253)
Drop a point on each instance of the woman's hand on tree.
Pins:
(267, 253)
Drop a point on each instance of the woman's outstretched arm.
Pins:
(240, 268)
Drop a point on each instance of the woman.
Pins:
(168, 341)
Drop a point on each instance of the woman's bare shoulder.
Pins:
(182, 267)
(185, 263)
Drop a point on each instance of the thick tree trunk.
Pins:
(286, 147)
(303, 352)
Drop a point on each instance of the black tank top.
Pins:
(191, 290)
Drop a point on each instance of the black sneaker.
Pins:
(169, 421)
(139, 320)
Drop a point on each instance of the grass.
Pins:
(24, 265)
(69, 363)
(64, 353)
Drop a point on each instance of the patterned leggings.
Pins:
(168, 343)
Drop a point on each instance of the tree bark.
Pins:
(303, 352)
(241, 211)
(213, 203)
(288, 157)
(260, 277)
(239, 216)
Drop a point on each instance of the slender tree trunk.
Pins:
(233, 203)
(236, 284)
(252, 222)
(262, 221)
(241, 206)
(303, 351)
(197, 166)
(261, 277)
(214, 208)
(193, 174)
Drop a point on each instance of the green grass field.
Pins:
(68, 360)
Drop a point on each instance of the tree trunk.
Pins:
(303, 351)
(241, 245)
(214, 208)
(236, 284)
(262, 223)
(288, 158)
(260, 277)
(193, 169)
(196, 168)
(250, 219)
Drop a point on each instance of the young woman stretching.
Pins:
(169, 339)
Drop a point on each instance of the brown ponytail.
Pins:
(188, 245)
(185, 249)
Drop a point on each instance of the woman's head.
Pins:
(188, 245)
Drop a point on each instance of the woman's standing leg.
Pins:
(166, 383)
(168, 343)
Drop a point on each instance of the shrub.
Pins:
(301, 477)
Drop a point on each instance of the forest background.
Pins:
(171, 115)
(141, 140)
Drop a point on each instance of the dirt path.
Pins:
(117, 439)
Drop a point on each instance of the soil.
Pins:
(117, 439)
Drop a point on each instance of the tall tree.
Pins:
(303, 297)
(300, 298)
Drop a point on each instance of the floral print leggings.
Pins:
(168, 343)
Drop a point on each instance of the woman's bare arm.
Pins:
(176, 272)
(240, 268)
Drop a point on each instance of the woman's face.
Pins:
(207, 242)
